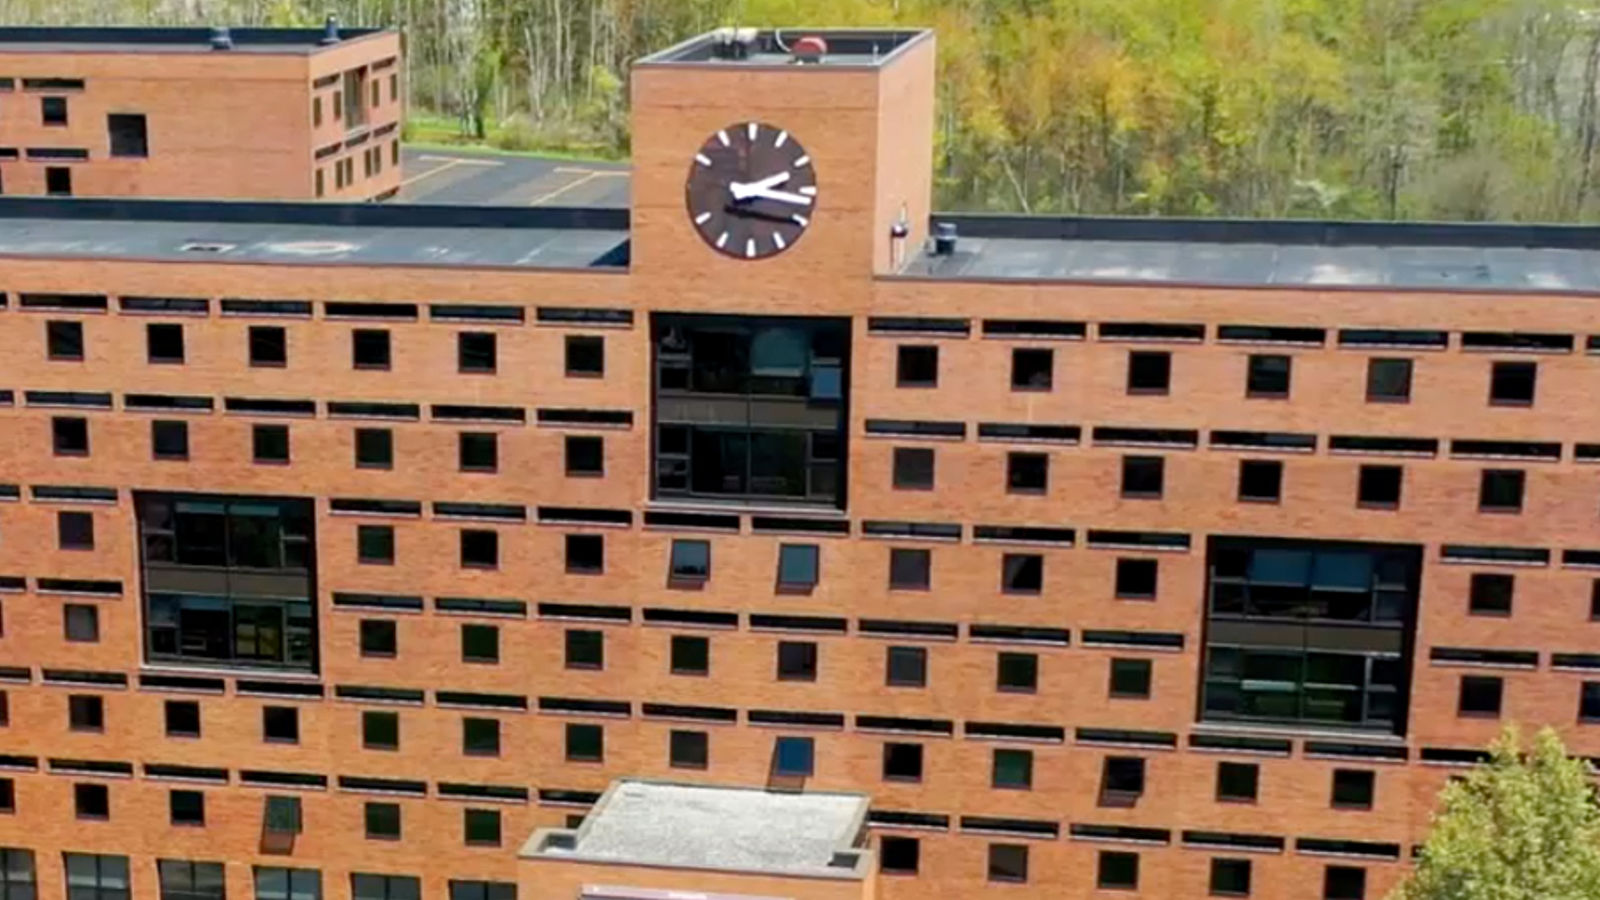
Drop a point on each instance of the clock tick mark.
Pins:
(722, 240)
(777, 240)
(702, 159)
(805, 159)
(723, 137)
(800, 220)
(782, 138)
(753, 129)
(809, 191)
(701, 219)
(750, 247)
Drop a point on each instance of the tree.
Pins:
(1521, 827)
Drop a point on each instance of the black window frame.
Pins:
(64, 340)
(1260, 481)
(1008, 863)
(905, 666)
(1353, 789)
(269, 444)
(584, 455)
(267, 346)
(1373, 482)
(1117, 870)
(1502, 490)
(585, 742)
(1231, 775)
(1474, 693)
(584, 648)
(796, 661)
(1033, 369)
(1143, 477)
(169, 439)
(1149, 373)
(1129, 678)
(913, 362)
(1269, 376)
(382, 820)
(477, 352)
(164, 344)
(1016, 672)
(1027, 472)
(1136, 578)
(1490, 593)
(688, 749)
(905, 564)
(373, 448)
(1389, 379)
(1513, 383)
(584, 356)
(684, 650)
(913, 468)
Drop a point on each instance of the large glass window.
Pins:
(274, 883)
(750, 408)
(1310, 632)
(92, 876)
(182, 879)
(228, 580)
(17, 880)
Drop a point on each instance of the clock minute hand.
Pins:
(744, 190)
(780, 196)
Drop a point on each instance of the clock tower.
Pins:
(771, 164)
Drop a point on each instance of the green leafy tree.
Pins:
(1521, 827)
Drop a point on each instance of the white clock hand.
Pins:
(742, 190)
(781, 196)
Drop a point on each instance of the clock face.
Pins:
(751, 190)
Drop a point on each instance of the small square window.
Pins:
(1136, 578)
(380, 730)
(369, 348)
(1017, 672)
(163, 342)
(1118, 870)
(480, 737)
(585, 743)
(53, 110)
(1012, 769)
(374, 448)
(269, 345)
(270, 443)
(1130, 678)
(480, 643)
(797, 661)
(1500, 490)
(909, 568)
(1352, 788)
(187, 807)
(793, 757)
(80, 623)
(1480, 696)
(1149, 372)
(476, 352)
(691, 655)
(913, 468)
(1230, 877)
(280, 725)
(1021, 573)
(479, 451)
(75, 530)
(1512, 383)
(58, 181)
(1379, 487)
(586, 356)
(1008, 863)
(378, 638)
(906, 667)
(902, 762)
(91, 801)
(688, 749)
(69, 435)
(1143, 477)
(1594, 599)
(1027, 473)
(899, 855)
(586, 554)
(1344, 883)
(383, 821)
(1121, 781)
(1490, 594)
(480, 828)
(169, 439)
(1032, 369)
(797, 568)
(64, 340)
(1237, 782)
(1268, 376)
(1589, 702)
(8, 795)
(480, 549)
(86, 712)
(585, 455)
(1388, 380)
(691, 562)
(1260, 480)
(585, 649)
(129, 135)
(375, 545)
(916, 366)
(182, 718)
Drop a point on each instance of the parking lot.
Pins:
(485, 179)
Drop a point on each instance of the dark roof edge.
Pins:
(200, 36)
(370, 215)
(1274, 231)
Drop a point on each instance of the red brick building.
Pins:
(261, 113)
(347, 548)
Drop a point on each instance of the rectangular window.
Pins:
(1512, 383)
(91, 801)
(1149, 372)
(691, 655)
(916, 366)
(690, 564)
(276, 883)
(1260, 480)
(907, 667)
(1589, 702)
(1017, 672)
(585, 554)
(58, 181)
(1230, 877)
(793, 757)
(86, 712)
(269, 345)
(270, 444)
(480, 643)
(1136, 579)
(797, 661)
(182, 879)
(383, 887)
(1027, 473)
(585, 649)
(374, 448)
(8, 805)
(475, 352)
(354, 91)
(586, 356)
(585, 743)
(1500, 490)
(1268, 376)
(163, 342)
(128, 134)
(1480, 696)
(1388, 380)
(1021, 573)
(383, 821)
(1012, 769)
(375, 545)
(169, 439)
(17, 878)
(380, 730)
(478, 451)
(688, 749)
(182, 718)
(913, 468)
(1121, 781)
(1237, 782)
(585, 456)
(1344, 883)
(64, 340)
(1379, 487)
(797, 568)
(369, 348)
(75, 530)
(909, 568)
(1352, 788)
(96, 877)
(1118, 870)
(280, 725)
(1008, 863)
(1032, 369)
(69, 435)
(81, 623)
(898, 855)
(1143, 477)
(378, 638)
(187, 807)
(53, 110)
(480, 549)
(480, 737)
(1130, 678)
(480, 828)
(1490, 594)
(902, 762)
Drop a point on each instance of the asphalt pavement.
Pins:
(464, 177)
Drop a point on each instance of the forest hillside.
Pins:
(1436, 109)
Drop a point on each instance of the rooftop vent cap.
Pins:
(220, 38)
(732, 43)
(330, 30)
(944, 239)
(809, 49)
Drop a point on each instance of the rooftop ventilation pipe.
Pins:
(220, 38)
(330, 30)
(809, 49)
(944, 239)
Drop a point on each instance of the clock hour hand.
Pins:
(779, 196)
(745, 190)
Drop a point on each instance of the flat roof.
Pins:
(768, 47)
(1267, 253)
(536, 237)
(653, 823)
(129, 39)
